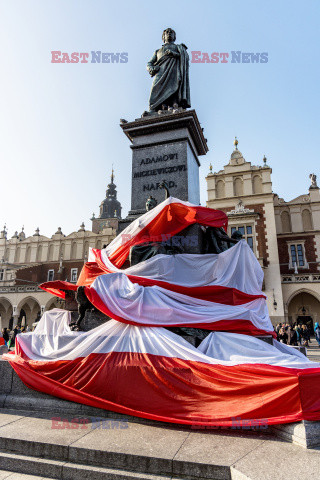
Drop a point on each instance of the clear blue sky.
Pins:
(59, 123)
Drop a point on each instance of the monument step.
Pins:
(30, 465)
(12, 475)
(31, 444)
(22, 467)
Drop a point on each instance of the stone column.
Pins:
(15, 319)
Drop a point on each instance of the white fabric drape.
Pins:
(237, 267)
(158, 306)
(53, 340)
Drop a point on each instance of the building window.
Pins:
(247, 233)
(74, 274)
(50, 275)
(297, 255)
(1, 275)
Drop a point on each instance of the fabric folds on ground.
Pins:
(152, 373)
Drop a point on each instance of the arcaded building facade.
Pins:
(27, 261)
(284, 235)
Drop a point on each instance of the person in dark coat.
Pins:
(293, 338)
(282, 336)
(305, 335)
(5, 335)
(12, 342)
(298, 333)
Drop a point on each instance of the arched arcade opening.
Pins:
(304, 308)
(28, 311)
(6, 312)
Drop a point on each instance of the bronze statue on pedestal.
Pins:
(170, 68)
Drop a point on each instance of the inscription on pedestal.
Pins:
(152, 165)
(165, 147)
(160, 170)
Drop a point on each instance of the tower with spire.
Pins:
(110, 209)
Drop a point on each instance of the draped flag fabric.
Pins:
(152, 373)
(161, 223)
(220, 292)
(116, 296)
(132, 365)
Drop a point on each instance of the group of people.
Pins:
(297, 334)
(9, 336)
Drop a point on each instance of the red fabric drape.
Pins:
(179, 391)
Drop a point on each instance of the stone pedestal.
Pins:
(266, 338)
(3, 349)
(304, 433)
(164, 147)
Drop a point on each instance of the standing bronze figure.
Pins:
(170, 68)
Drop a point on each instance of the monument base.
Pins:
(164, 147)
(306, 434)
(15, 395)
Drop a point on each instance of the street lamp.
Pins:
(274, 301)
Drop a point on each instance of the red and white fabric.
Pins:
(236, 268)
(134, 366)
(152, 373)
(162, 222)
(214, 291)
(116, 296)
(219, 292)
